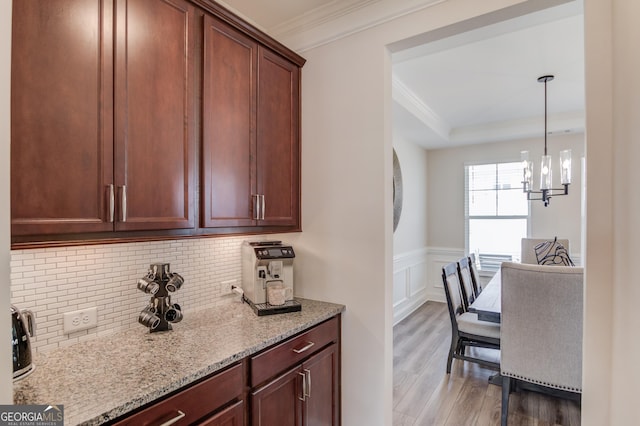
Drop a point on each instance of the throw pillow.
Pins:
(552, 253)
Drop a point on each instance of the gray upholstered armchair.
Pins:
(541, 330)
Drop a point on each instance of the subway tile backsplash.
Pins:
(53, 281)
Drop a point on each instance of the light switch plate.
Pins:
(80, 320)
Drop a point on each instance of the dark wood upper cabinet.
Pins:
(278, 153)
(154, 113)
(228, 121)
(61, 116)
(251, 125)
(72, 86)
(119, 106)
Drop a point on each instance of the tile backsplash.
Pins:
(53, 281)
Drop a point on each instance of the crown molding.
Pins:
(412, 103)
(342, 18)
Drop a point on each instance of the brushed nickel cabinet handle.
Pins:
(175, 419)
(256, 205)
(304, 348)
(304, 386)
(123, 202)
(112, 203)
(307, 392)
(262, 207)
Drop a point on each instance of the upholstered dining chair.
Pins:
(528, 252)
(477, 283)
(468, 290)
(466, 329)
(541, 330)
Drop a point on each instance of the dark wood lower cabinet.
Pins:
(293, 383)
(322, 400)
(230, 416)
(278, 402)
(306, 395)
(303, 387)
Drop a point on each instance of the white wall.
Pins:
(446, 189)
(410, 237)
(626, 208)
(345, 249)
(6, 368)
(600, 281)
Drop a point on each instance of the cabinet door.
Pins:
(231, 416)
(154, 104)
(278, 402)
(61, 109)
(228, 143)
(322, 406)
(278, 144)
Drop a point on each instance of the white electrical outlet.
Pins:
(225, 286)
(80, 320)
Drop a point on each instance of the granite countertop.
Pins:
(102, 379)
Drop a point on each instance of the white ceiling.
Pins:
(475, 87)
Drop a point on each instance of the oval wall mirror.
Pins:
(397, 191)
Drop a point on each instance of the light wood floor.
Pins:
(424, 395)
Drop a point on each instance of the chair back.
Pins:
(477, 284)
(468, 292)
(528, 252)
(541, 324)
(453, 292)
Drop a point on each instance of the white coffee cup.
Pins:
(276, 294)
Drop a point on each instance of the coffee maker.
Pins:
(267, 277)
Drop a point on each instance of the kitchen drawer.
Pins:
(292, 351)
(194, 402)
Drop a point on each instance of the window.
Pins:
(496, 213)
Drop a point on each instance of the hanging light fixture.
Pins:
(546, 190)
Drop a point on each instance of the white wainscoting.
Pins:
(437, 258)
(409, 283)
(417, 277)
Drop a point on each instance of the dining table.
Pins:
(488, 306)
(488, 303)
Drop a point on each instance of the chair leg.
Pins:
(506, 390)
(452, 348)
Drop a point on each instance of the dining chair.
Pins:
(475, 276)
(541, 332)
(466, 329)
(468, 291)
(528, 252)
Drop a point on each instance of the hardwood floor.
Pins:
(424, 395)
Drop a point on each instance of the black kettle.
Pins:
(22, 327)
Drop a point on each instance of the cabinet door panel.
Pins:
(231, 416)
(228, 147)
(61, 109)
(278, 152)
(322, 403)
(278, 403)
(154, 114)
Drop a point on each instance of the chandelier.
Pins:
(546, 191)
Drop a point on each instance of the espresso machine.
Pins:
(267, 277)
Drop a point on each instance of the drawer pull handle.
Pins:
(304, 348)
(175, 419)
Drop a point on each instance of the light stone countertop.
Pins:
(104, 378)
